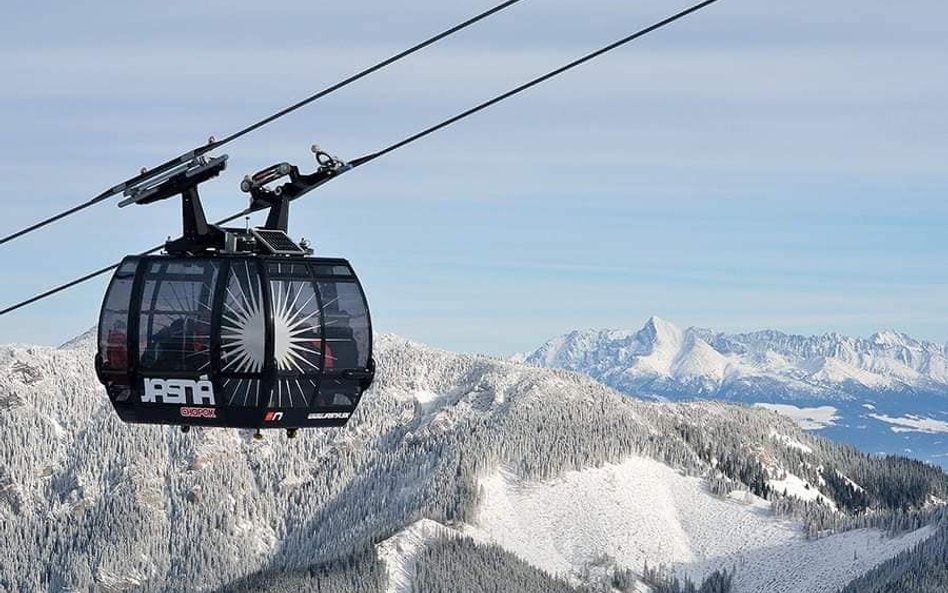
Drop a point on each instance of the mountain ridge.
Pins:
(661, 349)
(884, 386)
(146, 508)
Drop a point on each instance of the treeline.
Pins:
(741, 449)
(452, 564)
(923, 569)
(458, 565)
(662, 580)
(361, 572)
(821, 520)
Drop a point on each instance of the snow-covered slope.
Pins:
(399, 552)
(443, 443)
(641, 511)
(890, 390)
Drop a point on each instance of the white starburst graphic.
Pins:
(243, 333)
(295, 325)
(296, 336)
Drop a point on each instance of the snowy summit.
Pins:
(884, 393)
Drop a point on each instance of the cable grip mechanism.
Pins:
(266, 191)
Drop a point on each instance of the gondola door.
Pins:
(297, 343)
(172, 367)
(348, 343)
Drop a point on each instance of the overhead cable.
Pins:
(532, 83)
(97, 273)
(215, 144)
(415, 137)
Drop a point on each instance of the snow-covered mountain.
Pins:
(662, 358)
(885, 393)
(537, 478)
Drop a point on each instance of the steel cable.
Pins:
(414, 137)
(215, 144)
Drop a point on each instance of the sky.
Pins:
(758, 165)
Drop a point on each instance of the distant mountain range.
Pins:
(457, 473)
(886, 393)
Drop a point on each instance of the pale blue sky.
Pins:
(759, 165)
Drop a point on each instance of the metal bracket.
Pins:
(175, 181)
(264, 194)
(258, 182)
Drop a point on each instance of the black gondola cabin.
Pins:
(235, 328)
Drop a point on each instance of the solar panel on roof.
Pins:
(278, 242)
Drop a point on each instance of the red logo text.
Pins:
(188, 412)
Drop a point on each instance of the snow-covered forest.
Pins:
(89, 503)
(923, 569)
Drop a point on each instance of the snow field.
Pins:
(796, 487)
(913, 423)
(819, 566)
(643, 511)
(807, 418)
(790, 442)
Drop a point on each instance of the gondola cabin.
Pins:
(236, 328)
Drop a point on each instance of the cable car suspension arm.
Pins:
(267, 176)
(170, 167)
